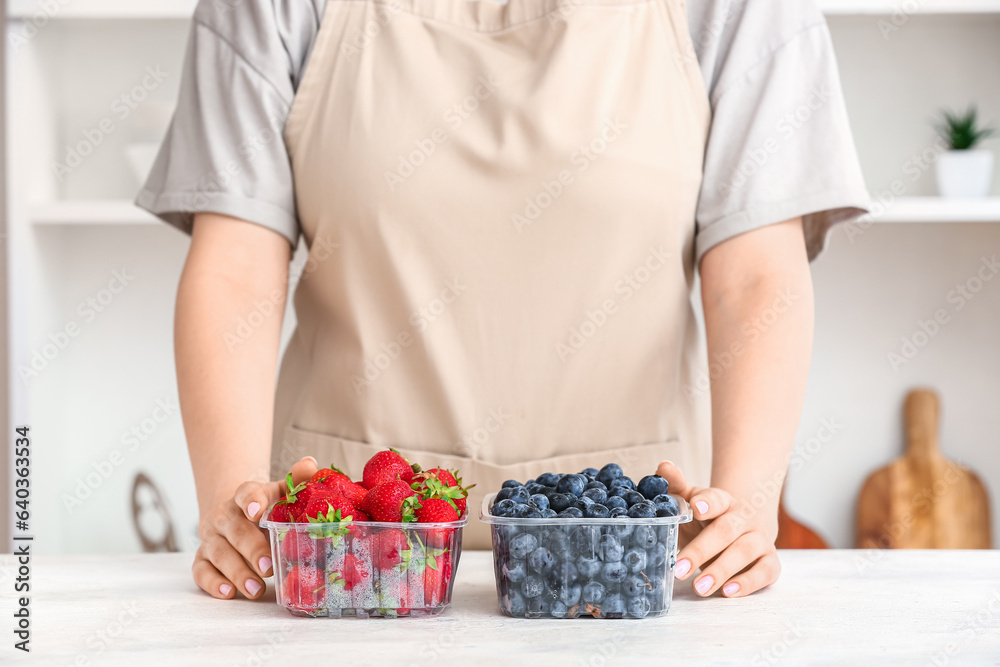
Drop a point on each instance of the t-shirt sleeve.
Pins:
(780, 144)
(224, 151)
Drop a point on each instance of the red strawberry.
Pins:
(385, 467)
(437, 576)
(281, 511)
(324, 507)
(437, 510)
(353, 492)
(304, 588)
(354, 572)
(330, 476)
(298, 546)
(440, 483)
(390, 501)
(389, 548)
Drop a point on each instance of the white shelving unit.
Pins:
(888, 7)
(105, 9)
(96, 212)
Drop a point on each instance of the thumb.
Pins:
(304, 469)
(678, 484)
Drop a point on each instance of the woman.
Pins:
(505, 206)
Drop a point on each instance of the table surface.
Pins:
(837, 607)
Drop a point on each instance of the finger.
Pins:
(232, 566)
(210, 580)
(764, 573)
(304, 469)
(678, 484)
(715, 537)
(254, 497)
(251, 544)
(738, 556)
(710, 503)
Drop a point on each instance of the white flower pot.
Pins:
(965, 173)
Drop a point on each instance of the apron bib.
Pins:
(499, 203)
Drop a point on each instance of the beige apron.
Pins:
(509, 193)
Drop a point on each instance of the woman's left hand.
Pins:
(733, 546)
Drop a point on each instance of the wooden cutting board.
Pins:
(922, 500)
(793, 534)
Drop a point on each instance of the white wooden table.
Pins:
(829, 608)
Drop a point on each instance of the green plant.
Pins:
(962, 132)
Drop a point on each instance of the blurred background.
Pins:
(902, 298)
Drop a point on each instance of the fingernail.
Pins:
(264, 564)
(732, 588)
(315, 462)
(683, 567)
(252, 509)
(670, 462)
(225, 589)
(252, 587)
(702, 506)
(703, 584)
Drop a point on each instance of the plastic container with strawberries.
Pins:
(588, 546)
(385, 546)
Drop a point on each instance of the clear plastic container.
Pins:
(364, 568)
(567, 568)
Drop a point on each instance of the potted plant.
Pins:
(963, 170)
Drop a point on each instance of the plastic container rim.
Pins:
(684, 515)
(265, 522)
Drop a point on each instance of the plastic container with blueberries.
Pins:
(558, 567)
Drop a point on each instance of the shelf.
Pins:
(938, 209)
(889, 7)
(96, 212)
(103, 9)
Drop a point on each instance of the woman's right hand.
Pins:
(234, 553)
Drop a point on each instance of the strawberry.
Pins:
(291, 504)
(390, 547)
(437, 577)
(298, 546)
(437, 510)
(304, 588)
(352, 491)
(354, 572)
(281, 511)
(440, 483)
(325, 505)
(387, 466)
(391, 501)
(330, 476)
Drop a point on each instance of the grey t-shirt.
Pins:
(779, 146)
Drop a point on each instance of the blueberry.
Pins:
(571, 513)
(503, 508)
(583, 540)
(657, 590)
(661, 498)
(618, 511)
(634, 585)
(572, 484)
(539, 606)
(596, 511)
(594, 592)
(520, 494)
(557, 542)
(613, 573)
(534, 488)
(644, 537)
(548, 514)
(643, 509)
(596, 485)
(621, 530)
(635, 560)
(548, 479)
(514, 571)
(522, 545)
(508, 532)
(532, 513)
(590, 472)
(651, 486)
(559, 609)
(616, 501)
(588, 566)
(613, 607)
(669, 506)
(570, 595)
(530, 482)
(541, 561)
(560, 501)
(624, 481)
(638, 607)
(540, 501)
(630, 497)
(609, 473)
(618, 492)
(597, 495)
(561, 577)
(611, 548)
(520, 510)
(510, 484)
(513, 603)
(659, 554)
(584, 502)
(503, 494)
(532, 586)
